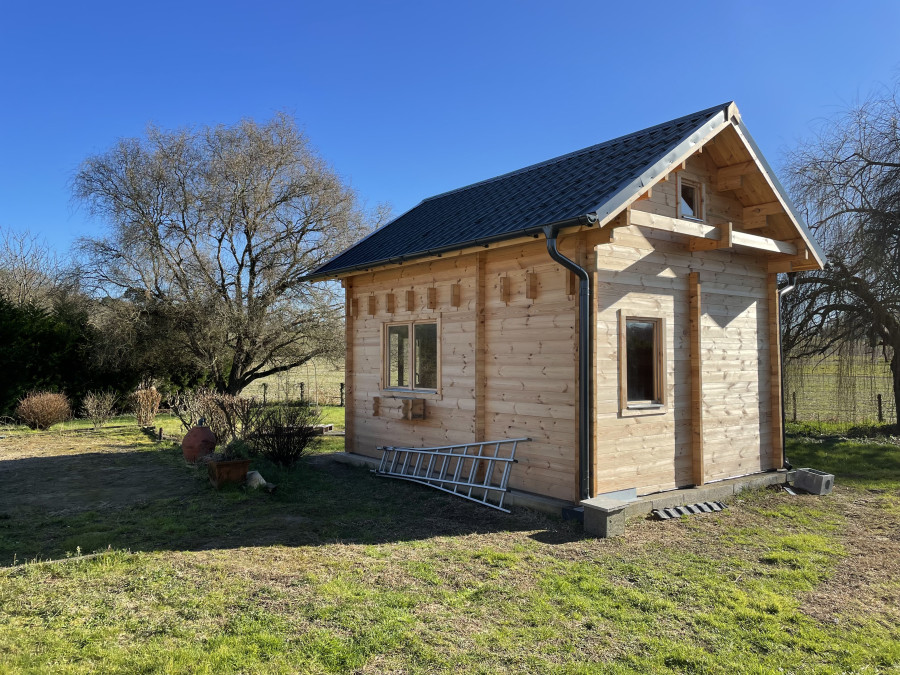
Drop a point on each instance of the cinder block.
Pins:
(604, 523)
(676, 498)
(814, 481)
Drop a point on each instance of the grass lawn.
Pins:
(339, 571)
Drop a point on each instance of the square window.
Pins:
(690, 199)
(411, 356)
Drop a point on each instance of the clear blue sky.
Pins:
(408, 99)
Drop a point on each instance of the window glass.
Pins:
(689, 206)
(398, 356)
(640, 337)
(426, 355)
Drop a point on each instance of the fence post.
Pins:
(880, 410)
(794, 403)
(342, 394)
(302, 387)
(265, 391)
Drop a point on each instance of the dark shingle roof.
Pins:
(556, 190)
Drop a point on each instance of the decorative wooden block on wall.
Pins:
(354, 307)
(413, 408)
(531, 285)
(376, 406)
(410, 300)
(571, 283)
(389, 303)
(372, 305)
(504, 289)
(454, 295)
(432, 298)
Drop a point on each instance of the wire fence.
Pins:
(839, 392)
(318, 381)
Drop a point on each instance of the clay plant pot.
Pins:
(198, 442)
(227, 471)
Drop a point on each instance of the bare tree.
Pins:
(211, 232)
(30, 270)
(848, 181)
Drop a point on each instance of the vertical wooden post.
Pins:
(389, 303)
(775, 372)
(531, 285)
(480, 355)
(794, 404)
(410, 301)
(454, 295)
(698, 470)
(349, 380)
(431, 298)
(880, 410)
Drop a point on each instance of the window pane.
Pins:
(426, 355)
(689, 201)
(641, 356)
(398, 356)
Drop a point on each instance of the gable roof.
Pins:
(595, 182)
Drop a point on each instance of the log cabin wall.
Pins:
(521, 307)
(646, 273)
(508, 342)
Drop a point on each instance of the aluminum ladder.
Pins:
(473, 471)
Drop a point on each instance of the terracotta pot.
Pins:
(197, 443)
(226, 471)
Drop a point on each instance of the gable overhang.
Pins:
(694, 142)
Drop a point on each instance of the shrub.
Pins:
(43, 409)
(146, 402)
(228, 417)
(285, 432)
(98, 407)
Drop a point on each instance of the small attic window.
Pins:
(690, 199)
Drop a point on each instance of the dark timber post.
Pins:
(794, 403)
(880, 410)
(342, 394)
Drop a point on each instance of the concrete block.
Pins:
(814, 481)
(715, 492)
(604, 523)
(675, 498)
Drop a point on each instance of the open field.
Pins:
(340, 571)
(319, 380)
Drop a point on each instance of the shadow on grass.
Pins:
(152, 500)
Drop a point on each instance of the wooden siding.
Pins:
(508, 342)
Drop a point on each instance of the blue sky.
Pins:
(409, 99)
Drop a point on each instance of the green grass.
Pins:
(340, 571)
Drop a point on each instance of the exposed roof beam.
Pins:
(731, 177)
(755, 216)
(711, 232)
(725, 240)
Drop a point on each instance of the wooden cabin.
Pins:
(461, 326)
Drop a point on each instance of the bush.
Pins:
(146, 405)
(228, 417)
(41, 410)
(285, 432)
(98, 407)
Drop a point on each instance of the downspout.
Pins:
(585, 352)
(781, 293)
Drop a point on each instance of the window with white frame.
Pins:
(411, 356)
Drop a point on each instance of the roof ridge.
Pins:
(575, 153)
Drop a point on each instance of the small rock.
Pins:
(255, 480)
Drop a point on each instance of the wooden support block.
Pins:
(777, 266)
(504, 289)
(571, 283)
(389, 303)
(531, 285)
(730, 177)
(372, 305)
(376, 406)
(410, 301)
(698, 471)
(432, 298)
(755, 217)
(725, 240)
(354, 307)
(413, 408)
(647, 195)
(454, 295)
